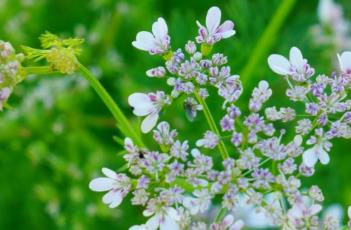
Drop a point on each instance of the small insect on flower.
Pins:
(118, 186)
(148, 105)
(296, 67)
(157, 42)
(214, 32)
(345, 62)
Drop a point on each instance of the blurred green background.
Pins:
(58, 134)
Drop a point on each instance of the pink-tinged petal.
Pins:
(138, 99)
(154, 222)
(345, 62)
(144, 41)
(279, 64)
(296, 58)
(316, 208)
(101, 184)
(309, 157)
(159, 28)
(213, 19)
(226, 29)
(323, 156)
(149, 123)
(227, 221)
(109, 173)
(238, 225)
(228, 34)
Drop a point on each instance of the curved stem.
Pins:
(124, 125)
(221, 146)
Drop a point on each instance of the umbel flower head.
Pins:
(11, 72)
(61, 54)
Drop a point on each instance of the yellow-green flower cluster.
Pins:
(61, 54)
(11, 72)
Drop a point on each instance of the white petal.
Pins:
(316, 208)
(345, 61)
(138, 99)
(238, 225)
(101, 184)
(169, 224)
(159, 28)
(144, 41)
(138, 227)
(296, 211)
(109, 173)
(279, 64)
(323, 156)
(309, 157)
(153, 222)
(213, 19)
(298, 140)
(171, 212)
(263, 85)
(200, 142)
(113, 198)
(226, 29)
(349, 212)
(296, 58)
(149, 123)
(143, 109)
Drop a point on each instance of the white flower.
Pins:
(312, 155)
(199, 203)
(157, 42)
(118, 186)
(345, 62)
(148, 105)
(296, 67)
(214, 32)
(302, 211)
(165, 219)
(329, 12)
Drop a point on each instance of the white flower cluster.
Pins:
(178, 183)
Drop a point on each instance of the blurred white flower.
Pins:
(157, 42)
(214, 32)
(117, 185)
(345, 62)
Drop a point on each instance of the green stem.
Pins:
(124, 125)
(38, 70)
(221, 146)
(267, 39)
